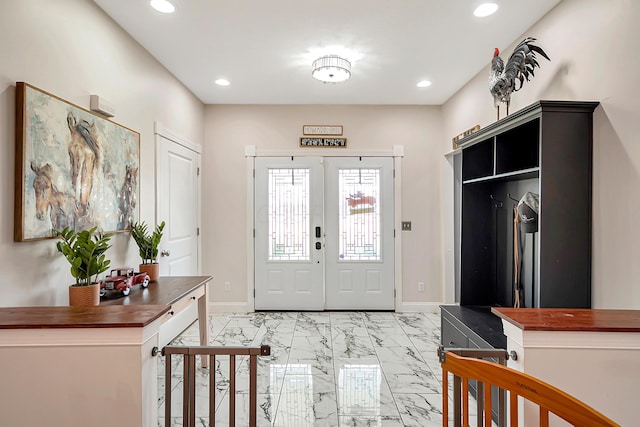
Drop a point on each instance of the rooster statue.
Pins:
(504, 79)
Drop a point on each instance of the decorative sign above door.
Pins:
(322, 130)
(323, 142)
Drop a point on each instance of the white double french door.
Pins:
(324, 233)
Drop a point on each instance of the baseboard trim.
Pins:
(229, 307)
(425, 307)
(243, 307)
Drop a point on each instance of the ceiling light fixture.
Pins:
(424, 83)
(162, 6)
(485, 9)
(331, 69)
(222, 82)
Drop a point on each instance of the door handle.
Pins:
(318, 245)
(318, 233)
(165, 252)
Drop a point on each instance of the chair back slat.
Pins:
(516, 384)
(487, 405)
(513, 410)
(544, 417)
(189, 380)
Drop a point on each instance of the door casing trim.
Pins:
(160, 131)
(396, 151)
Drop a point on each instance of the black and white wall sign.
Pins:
(323, 142)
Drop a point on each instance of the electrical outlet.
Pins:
(406, 225)
(227, 286)
(420, 286)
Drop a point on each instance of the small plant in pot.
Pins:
(148, 244)
(85, 250)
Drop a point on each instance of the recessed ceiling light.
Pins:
(424, 83)
(222, 82)
(162, 6)
(485, 9)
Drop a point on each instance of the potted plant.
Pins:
(85, 251)
(148, 245)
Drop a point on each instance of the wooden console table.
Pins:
(184, 295)
(92, 365)
(592, 354)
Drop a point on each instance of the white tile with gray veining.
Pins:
(420, 410)
(325, 369)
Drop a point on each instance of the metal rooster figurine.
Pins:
(503, 79)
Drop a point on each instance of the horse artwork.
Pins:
(60, 206)
(84, 156)
(127, 198)
(73, 168)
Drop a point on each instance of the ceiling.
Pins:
(265, 48)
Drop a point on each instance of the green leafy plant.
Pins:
(147, 242)
(85, 251)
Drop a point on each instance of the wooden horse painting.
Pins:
(61, 206)
(85, 157)
(127, 198)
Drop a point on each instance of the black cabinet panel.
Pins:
(477, 161)
(545, 149)
(518, 148)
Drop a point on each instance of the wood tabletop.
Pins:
(571, 319)
(166, 291)
(79, 317)
(139, 309)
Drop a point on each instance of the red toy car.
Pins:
(122, 280)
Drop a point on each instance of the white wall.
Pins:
(72, 49)
(593, 46)
(229, 128)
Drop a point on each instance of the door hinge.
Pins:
(198, 171)
(254, 292)
(198, 231)
(254, 173)
(394, 173)
(394, 233)
(254, 233)
(394, 293)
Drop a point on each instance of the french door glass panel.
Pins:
(289, 238)
(359, 220)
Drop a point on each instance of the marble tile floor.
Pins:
(325, 369)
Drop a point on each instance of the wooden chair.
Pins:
(189, 383)
(517, 384)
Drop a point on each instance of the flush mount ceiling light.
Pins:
(485, 9)
(423, 83)
(222, 82)
(162, 6)
(331, 69)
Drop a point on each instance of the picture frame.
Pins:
(73, 168)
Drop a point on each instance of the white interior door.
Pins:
(288, 208)
(178, 194)
(359, 253)
(300, 265)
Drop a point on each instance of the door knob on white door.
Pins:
(165, 253)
